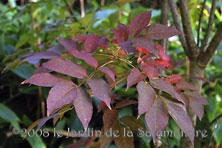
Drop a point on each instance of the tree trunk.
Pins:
(194, 71)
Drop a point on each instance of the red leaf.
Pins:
(173, 79)
(142, 50)
(102, 105)
(166, 87)
(150, 70)
(179, 114)
(121, 33)
(162, 53)
(109, 118)
(139, 23)
(35, 57)
(47, 80)
(109, 73)
(158, 31)
(91, 43)
(124, 103)
(134, 77)
(81, 38)
(196, 102)
(146, 97)
(85, 57)
(145, 44)
(102, 42)
(69, 44)
(59, 96)
(66, 67)
(133, 123)
(101, 90)
(83, 107)
(157, 118)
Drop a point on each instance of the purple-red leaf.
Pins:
(59, 96)
(85, 57)
(179, 114)
(47, 80)
(145, 43)
(124, 103)
(139, 22)
(108, 72)
(150, 70)
(183, 85)
(35, 57)
(83, 107)
(127, 47)
(121, 33)
(196, 102)
(158, 31)
(125, 137)
(146, 97)
(101, 90)
(66, 67)
(109, 118)
(69, 44)
(134, 77)
(91, 43)
(166, 87)
(157, 118)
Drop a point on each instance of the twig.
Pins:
(209, 25)
(177, 23)
(199, 22)
(213, 121)
(206, 56)
(68, 7)
(192, 47)
(82, 8)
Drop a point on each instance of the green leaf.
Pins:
(36, 142)
(7, 114)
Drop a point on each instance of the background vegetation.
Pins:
(27, 27)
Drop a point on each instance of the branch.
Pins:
(164, 21)
(209, 25)
(206, 56)
(82, 8)
(214, 120)
(199, 23)
(177, 21)
(192, 47)
(68, 7)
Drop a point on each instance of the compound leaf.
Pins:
(83, 107)
(59, 96)
(158, 31)
(91, 43)
(46, 80)
(101, 90)
(108, 72)
(66, 67)
(157, 118)
(69, 44)
(166, 87)
(179, 114)
(139, 22)
(85, 57)
(109, 118)
(146, 97)
(134, 77)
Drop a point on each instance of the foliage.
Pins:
(119, 60)
(132, 49)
